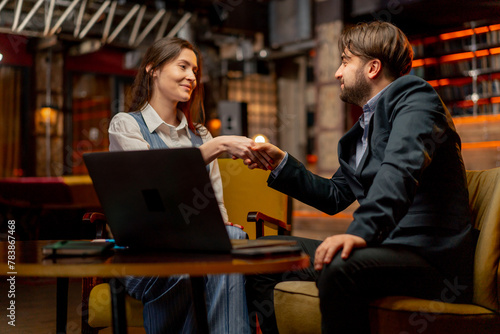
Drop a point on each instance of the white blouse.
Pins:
(125, 135)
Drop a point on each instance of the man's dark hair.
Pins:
(382, 41)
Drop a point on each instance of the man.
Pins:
(411, 234)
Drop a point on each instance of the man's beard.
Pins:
(358, 93)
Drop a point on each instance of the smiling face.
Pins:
(354, 84)
(176, 80)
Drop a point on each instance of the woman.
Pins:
(165, 112)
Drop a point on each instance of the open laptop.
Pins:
(164, 200)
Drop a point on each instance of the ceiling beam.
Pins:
(30, 15)
(123, 23)
(137, 25)
(149, 27)
(163, 26)
(17, 14)
(2, 4)
(109, 21)
(63, 17)
(94, 18)
(79, 18)
(48, 17)
(179, 25)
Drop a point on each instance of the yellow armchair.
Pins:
(297, 303)
(251, 203)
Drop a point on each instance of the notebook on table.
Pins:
(77, 248)
(164, 200)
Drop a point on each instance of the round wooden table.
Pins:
(29, 261)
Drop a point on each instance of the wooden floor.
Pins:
(36, 306)
(35, 297)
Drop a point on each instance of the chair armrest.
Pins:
(259, 218)
(99, 221)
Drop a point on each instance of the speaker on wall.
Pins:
(233, 117)
(290, 21)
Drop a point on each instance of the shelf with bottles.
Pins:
(455, 65)
(459, 94)
(456, 42)
(464, 67)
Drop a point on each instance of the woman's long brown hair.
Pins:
(159, 53)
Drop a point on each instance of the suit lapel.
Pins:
(347, 147)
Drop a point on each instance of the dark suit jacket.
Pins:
(410, 182)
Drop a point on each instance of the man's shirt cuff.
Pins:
(275, 172)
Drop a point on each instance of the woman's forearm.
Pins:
(213, 148)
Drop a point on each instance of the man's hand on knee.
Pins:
(331, 245)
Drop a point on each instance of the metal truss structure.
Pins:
(92, 23)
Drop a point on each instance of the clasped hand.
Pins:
(270, 156)
(265, 156)
(255, 155)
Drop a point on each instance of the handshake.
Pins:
(255, 155)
